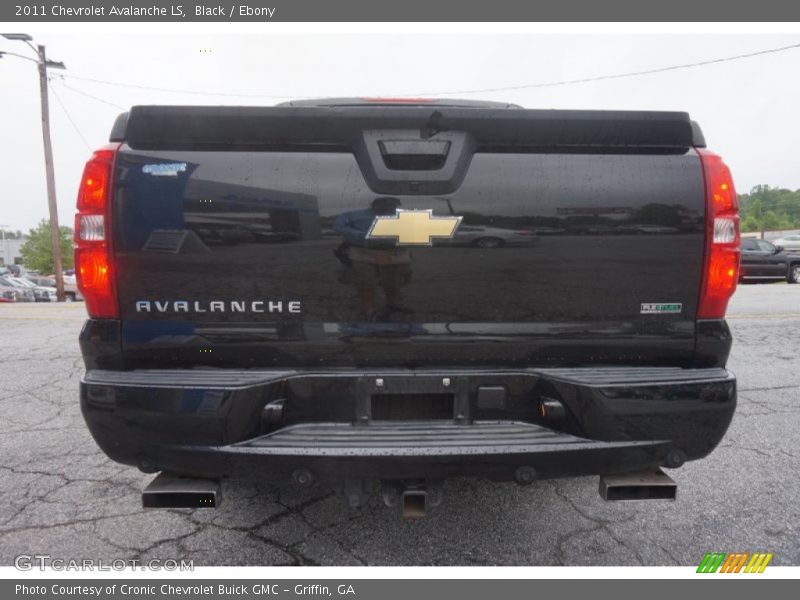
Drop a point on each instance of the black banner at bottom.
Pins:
(389, 589)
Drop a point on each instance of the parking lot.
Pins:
(62, 497)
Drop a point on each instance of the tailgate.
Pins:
(407, 237)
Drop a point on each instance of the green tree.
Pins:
(770, 220)
(757, 208)
(37, 252)
(749, 224)
(783, 204)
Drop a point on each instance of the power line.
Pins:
(66, 112)
(614, 76)
(450, 92)
(2, 52)
(176, 91)
(88, 95)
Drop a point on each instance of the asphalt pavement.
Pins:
(61, 496)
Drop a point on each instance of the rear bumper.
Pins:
(210, 422)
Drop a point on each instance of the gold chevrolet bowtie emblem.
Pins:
(413, 227)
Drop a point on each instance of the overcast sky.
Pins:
(748, 109)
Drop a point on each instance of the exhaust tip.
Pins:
(169, 491)
(652, 484)
(415, 504)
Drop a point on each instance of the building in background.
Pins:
(10, 250)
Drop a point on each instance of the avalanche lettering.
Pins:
(137, 11)
(234, 306)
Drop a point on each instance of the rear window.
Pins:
(296, 196)
(765, 246)
(748, 244)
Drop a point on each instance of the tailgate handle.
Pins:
(414, 155)
(403, 161)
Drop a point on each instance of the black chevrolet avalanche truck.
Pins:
(379, 294)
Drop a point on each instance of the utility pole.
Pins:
(43, 64)
(55, 234)
(5, 252)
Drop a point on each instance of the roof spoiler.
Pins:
(343, 127)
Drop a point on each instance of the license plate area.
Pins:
(348, 397)
(412, 398)
(412, 407)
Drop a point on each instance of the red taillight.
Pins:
(94, 269)
(721, 272)
(96, 281)
(95, 182)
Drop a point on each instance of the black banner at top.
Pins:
(405, 10)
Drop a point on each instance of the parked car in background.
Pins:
(71, 292)
(10, 270)
(70, 286)
(7, 294)
(762, 260)
(42, 280)
(40, 293)
(789, 242)
(23, 292)
(481, 236)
